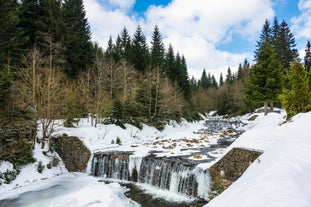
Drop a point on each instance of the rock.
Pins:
(73, 152)
(232, 166)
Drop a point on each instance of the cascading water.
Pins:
(172, 174)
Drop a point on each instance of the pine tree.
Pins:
(77, 38)
(29, 14)
(214, 83)
(265, 36)
(275, 32)
(297, 98)
(265, 79)
(184, 79)
(204, 81)
(229, 76)
(11, 40)
(139, 52)
(307, 58)
(285, 46)
(240, 72)
(125, 44)
(170, 64)
(221, 80)
(157, 49)
(49, 24)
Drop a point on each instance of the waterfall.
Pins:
(171, 174)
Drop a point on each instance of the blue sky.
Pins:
(212, 34)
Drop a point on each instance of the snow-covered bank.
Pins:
(281, 176)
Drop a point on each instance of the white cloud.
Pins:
(105, 22)
(193, 27)
(302, 24)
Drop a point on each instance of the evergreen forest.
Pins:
(50, 69)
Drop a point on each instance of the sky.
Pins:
(211, 34)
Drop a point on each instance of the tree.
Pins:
(285, 46)
(157, 49)
(170, 64)
(11, 39)
(204, 81)
(265, 79)
(184, 79)
(79, 50)
(307, 58)
(297, 98)
(49, 24)
(139, 51)
(265, 36)
(29, 15)
(125, 44)
(221, 80)
(229, 76)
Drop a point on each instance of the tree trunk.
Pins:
(266, 108)
(271, 106)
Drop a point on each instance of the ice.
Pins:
(77, 191)
(134, 162)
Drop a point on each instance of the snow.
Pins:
(5, 165)
(279, 177)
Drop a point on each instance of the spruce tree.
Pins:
(139, 51)
(297, 98)
(307, 58)
(229, 76)
(221, 80)
(77, 38)
(265, 36)
(170, 64)
(184, 79)
(29, 15)
(265, 79)
(49, 24)
(285, 46)
(125, 44)
(204, 81)
(11, 40)
(157, 49)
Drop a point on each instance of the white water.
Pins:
(134, 162)
(203, 180)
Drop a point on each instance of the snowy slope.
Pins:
(281, 177)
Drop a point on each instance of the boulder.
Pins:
(73, 152)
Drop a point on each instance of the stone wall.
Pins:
(231, 167)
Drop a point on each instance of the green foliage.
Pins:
(118, 141)
(40, 167)
(8, 176)
(77, 38)
(157, 49)
(307, 58)
(49, 165)
(5, 84)
(139, 51)
(10, 34)
(265, 79)
(297, 98)
(216, 187)
(16, 135)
